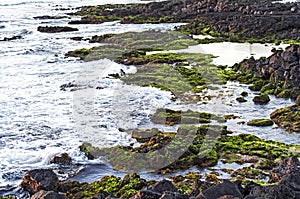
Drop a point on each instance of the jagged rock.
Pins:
(222, 189)
(39, 179)
(47, 195)
(164, 185)
(292, 181)
(270, 192)
(287, 166)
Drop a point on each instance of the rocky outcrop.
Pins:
(39, 179)
(55, 29)
(279, 73)
(286, 167)
(233, 20)
(286, 176)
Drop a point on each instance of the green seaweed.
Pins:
(260, 122)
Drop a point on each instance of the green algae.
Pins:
(190, 72)
(206, 152)
(121, 44)
(111, 185)
(260, 122)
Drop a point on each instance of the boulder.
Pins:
(63, 159)
(39, 179)
(226, 188)
(261, 99)
(162, 186)
(275, 191)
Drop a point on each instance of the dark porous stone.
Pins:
(292, 181)
(287, 166)
(222, 189)
(47, 195)
(146, 194)
(39, 179)
(164, 185)
(275, 191)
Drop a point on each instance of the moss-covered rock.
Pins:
(190, 72)
(171, 117)
(108, 186)
(288, 118)
(206, 145)
(260, 122)
(261, 99)
(118, 47)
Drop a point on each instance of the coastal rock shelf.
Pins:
(126, 101)
(286, 174)
(230, 21)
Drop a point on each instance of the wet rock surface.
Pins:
(219, 18)
(39, 179)
(55, 29)
(286, 174)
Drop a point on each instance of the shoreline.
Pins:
(140, 188)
